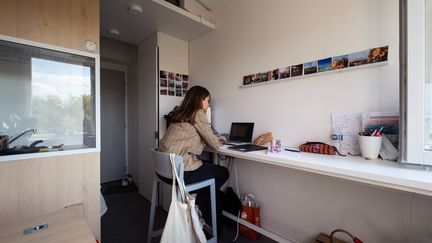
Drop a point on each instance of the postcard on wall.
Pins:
(173, 84)
(297, 70)
(284, 72)
(345, 129)
(310, 67)
(388, 120)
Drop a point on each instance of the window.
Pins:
(416, 81)
(47, 96)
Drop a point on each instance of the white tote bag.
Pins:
(182, 224)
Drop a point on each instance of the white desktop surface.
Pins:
(381, 173)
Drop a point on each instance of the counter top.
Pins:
(67, 225)
(381, 173)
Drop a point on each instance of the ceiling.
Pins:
(135, 29)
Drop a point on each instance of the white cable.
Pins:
(238, 194)
(235, 171)
(238, 222)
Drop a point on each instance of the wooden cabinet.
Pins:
(63, 23)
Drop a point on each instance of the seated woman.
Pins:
(187, 135)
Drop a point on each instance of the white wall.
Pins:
(173, 57)
(254, 36)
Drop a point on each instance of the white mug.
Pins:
(370, 146)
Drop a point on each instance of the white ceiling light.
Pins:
(114, 32)
(135, 9)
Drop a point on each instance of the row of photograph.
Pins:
(173, 92)
(373, 55)
(173, 84)
(173, 76)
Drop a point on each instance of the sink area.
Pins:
(22, 150)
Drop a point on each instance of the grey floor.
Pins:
(126, 221)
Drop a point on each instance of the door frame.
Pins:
(121, 68)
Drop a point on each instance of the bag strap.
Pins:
(174, 173)
(184, 194)
(186, 197)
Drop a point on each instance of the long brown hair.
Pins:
(192, 102)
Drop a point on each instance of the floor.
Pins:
(126, 220)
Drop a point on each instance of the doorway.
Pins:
(113, 124)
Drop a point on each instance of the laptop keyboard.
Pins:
(247, 147)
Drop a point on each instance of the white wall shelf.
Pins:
(157, 16)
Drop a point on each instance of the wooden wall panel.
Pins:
(37, 186)
(66, 23)
(32, 187)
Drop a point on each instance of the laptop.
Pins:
(240, 137)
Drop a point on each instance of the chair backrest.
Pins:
(162, 164)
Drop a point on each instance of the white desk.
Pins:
(385, 174)
(381, 173)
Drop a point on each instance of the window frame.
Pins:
(412, 86)
(96, 57)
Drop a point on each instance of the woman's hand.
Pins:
(222, 139)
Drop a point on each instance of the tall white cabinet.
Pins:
(159, 52)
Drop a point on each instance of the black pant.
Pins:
(204, 172)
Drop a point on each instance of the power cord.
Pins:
(238, 194)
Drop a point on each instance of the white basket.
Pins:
(196, 8)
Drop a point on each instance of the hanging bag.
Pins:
(182, 224)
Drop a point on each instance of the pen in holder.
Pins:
(370, 144)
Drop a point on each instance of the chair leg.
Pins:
(152, 210)
(213, 209)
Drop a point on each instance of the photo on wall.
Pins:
(340, 62)
(247, 79)
(163, 83)
(185, 77)
(358, 58)
(369, 56)
(171, 91)
(297, 70)
(263, 77)
(171, 83)
(324, 65)
(310, 67)
(379, 54)
(171, 75)
(185, 85)
(163, 74)
(275, 74)
(254, 78)
(284, 72)
(184, 91)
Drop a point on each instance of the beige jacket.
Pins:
(188, 140)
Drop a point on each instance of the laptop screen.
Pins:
(241, 132)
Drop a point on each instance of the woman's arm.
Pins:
(204, 130)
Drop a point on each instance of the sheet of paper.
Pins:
(346, 128)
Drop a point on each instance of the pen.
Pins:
(293, 150)
(380, 130)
